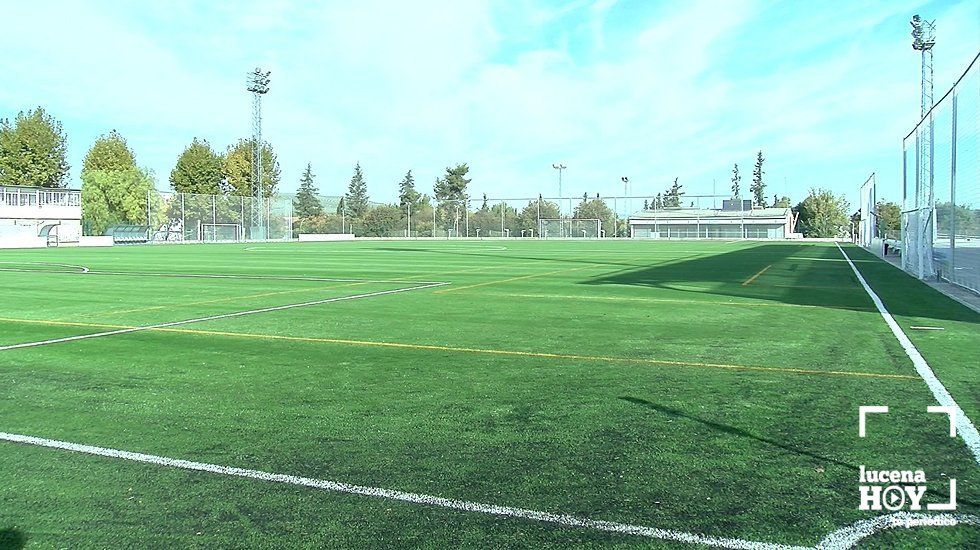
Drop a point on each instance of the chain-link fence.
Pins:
(185, 217)
(188, 217)
(941, 206)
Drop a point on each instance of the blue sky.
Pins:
(649, 90)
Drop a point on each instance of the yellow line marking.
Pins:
(485, 351)
(751, 279)
(521, 278)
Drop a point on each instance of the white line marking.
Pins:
(415, 498)
(963, 424)
(849, 536)
(215, 317)
(73, 267)
(913, 327)
(843, 538)
(948, 411)
(864, 410)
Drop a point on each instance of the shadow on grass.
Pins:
(799, 274)
(739, 432)
(12, 538)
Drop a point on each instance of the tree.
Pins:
(758, 187)
(452, 186)
(120, 197)
(596, 209)
(823, 214)
(960, 219)
(889, 216)
(33, 150)
(736, 183)
(306, 204)
(450, 194)
(237, 169)
(483, 219)
(781, 202)
(672, 197)
(382, 221)
(198, 170)
(356, 198)
(407, 195)
(528, 218)
(109, 152)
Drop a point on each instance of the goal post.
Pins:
(569, 228)
(220, 232)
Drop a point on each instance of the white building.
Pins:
(34, 216)
(732, 221)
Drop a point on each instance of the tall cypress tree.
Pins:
(758, 187)
(306, 204)
(736, 183)
(407, 195)
(357, 196)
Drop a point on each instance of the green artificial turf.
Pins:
(705, 387)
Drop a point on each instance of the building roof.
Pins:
(707, 213)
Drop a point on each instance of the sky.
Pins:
(637, 88)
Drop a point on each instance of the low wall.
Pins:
(23, 241)
(325, 237)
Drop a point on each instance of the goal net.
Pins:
(216, 232)
(554, 228)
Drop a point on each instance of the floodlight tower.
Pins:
(923, 39)
(561, 168)
(258, 84)
(626, 193)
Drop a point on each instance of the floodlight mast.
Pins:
(923, 39)
(561, 168)
(626, 182)
(258, 84)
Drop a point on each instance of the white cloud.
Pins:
(685, 89)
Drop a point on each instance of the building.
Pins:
(732, 221)
(34, 216)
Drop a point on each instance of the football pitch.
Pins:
(473, 394)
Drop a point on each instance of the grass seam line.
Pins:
(964, 427)
(215, 317)
(520, 278)
(563, 520)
